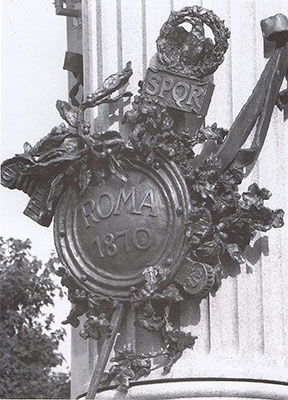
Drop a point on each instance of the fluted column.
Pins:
(243, 330)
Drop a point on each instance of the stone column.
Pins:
(241, 350)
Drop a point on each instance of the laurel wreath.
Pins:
(171, 57)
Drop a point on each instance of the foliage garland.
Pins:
(220, 226)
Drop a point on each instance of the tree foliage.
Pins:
(28, 345)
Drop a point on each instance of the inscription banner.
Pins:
(178, 91)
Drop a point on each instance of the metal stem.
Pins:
(105, 352)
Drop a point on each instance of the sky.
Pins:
(33, 50)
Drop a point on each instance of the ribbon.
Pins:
(260, 104)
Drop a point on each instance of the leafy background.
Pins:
(29, 344)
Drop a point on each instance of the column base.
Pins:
(200, 389)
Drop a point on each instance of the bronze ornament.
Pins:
(143, 223)
(191, 53)
(110, 233)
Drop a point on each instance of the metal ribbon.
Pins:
(260, 104)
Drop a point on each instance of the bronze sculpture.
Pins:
(197, 196)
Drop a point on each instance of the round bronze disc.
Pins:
(196, 278)
(110, 234)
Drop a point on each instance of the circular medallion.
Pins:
(196, 278)
(107, 236)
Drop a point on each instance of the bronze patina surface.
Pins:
(178, 91)
(107, 237)
(196, 278)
